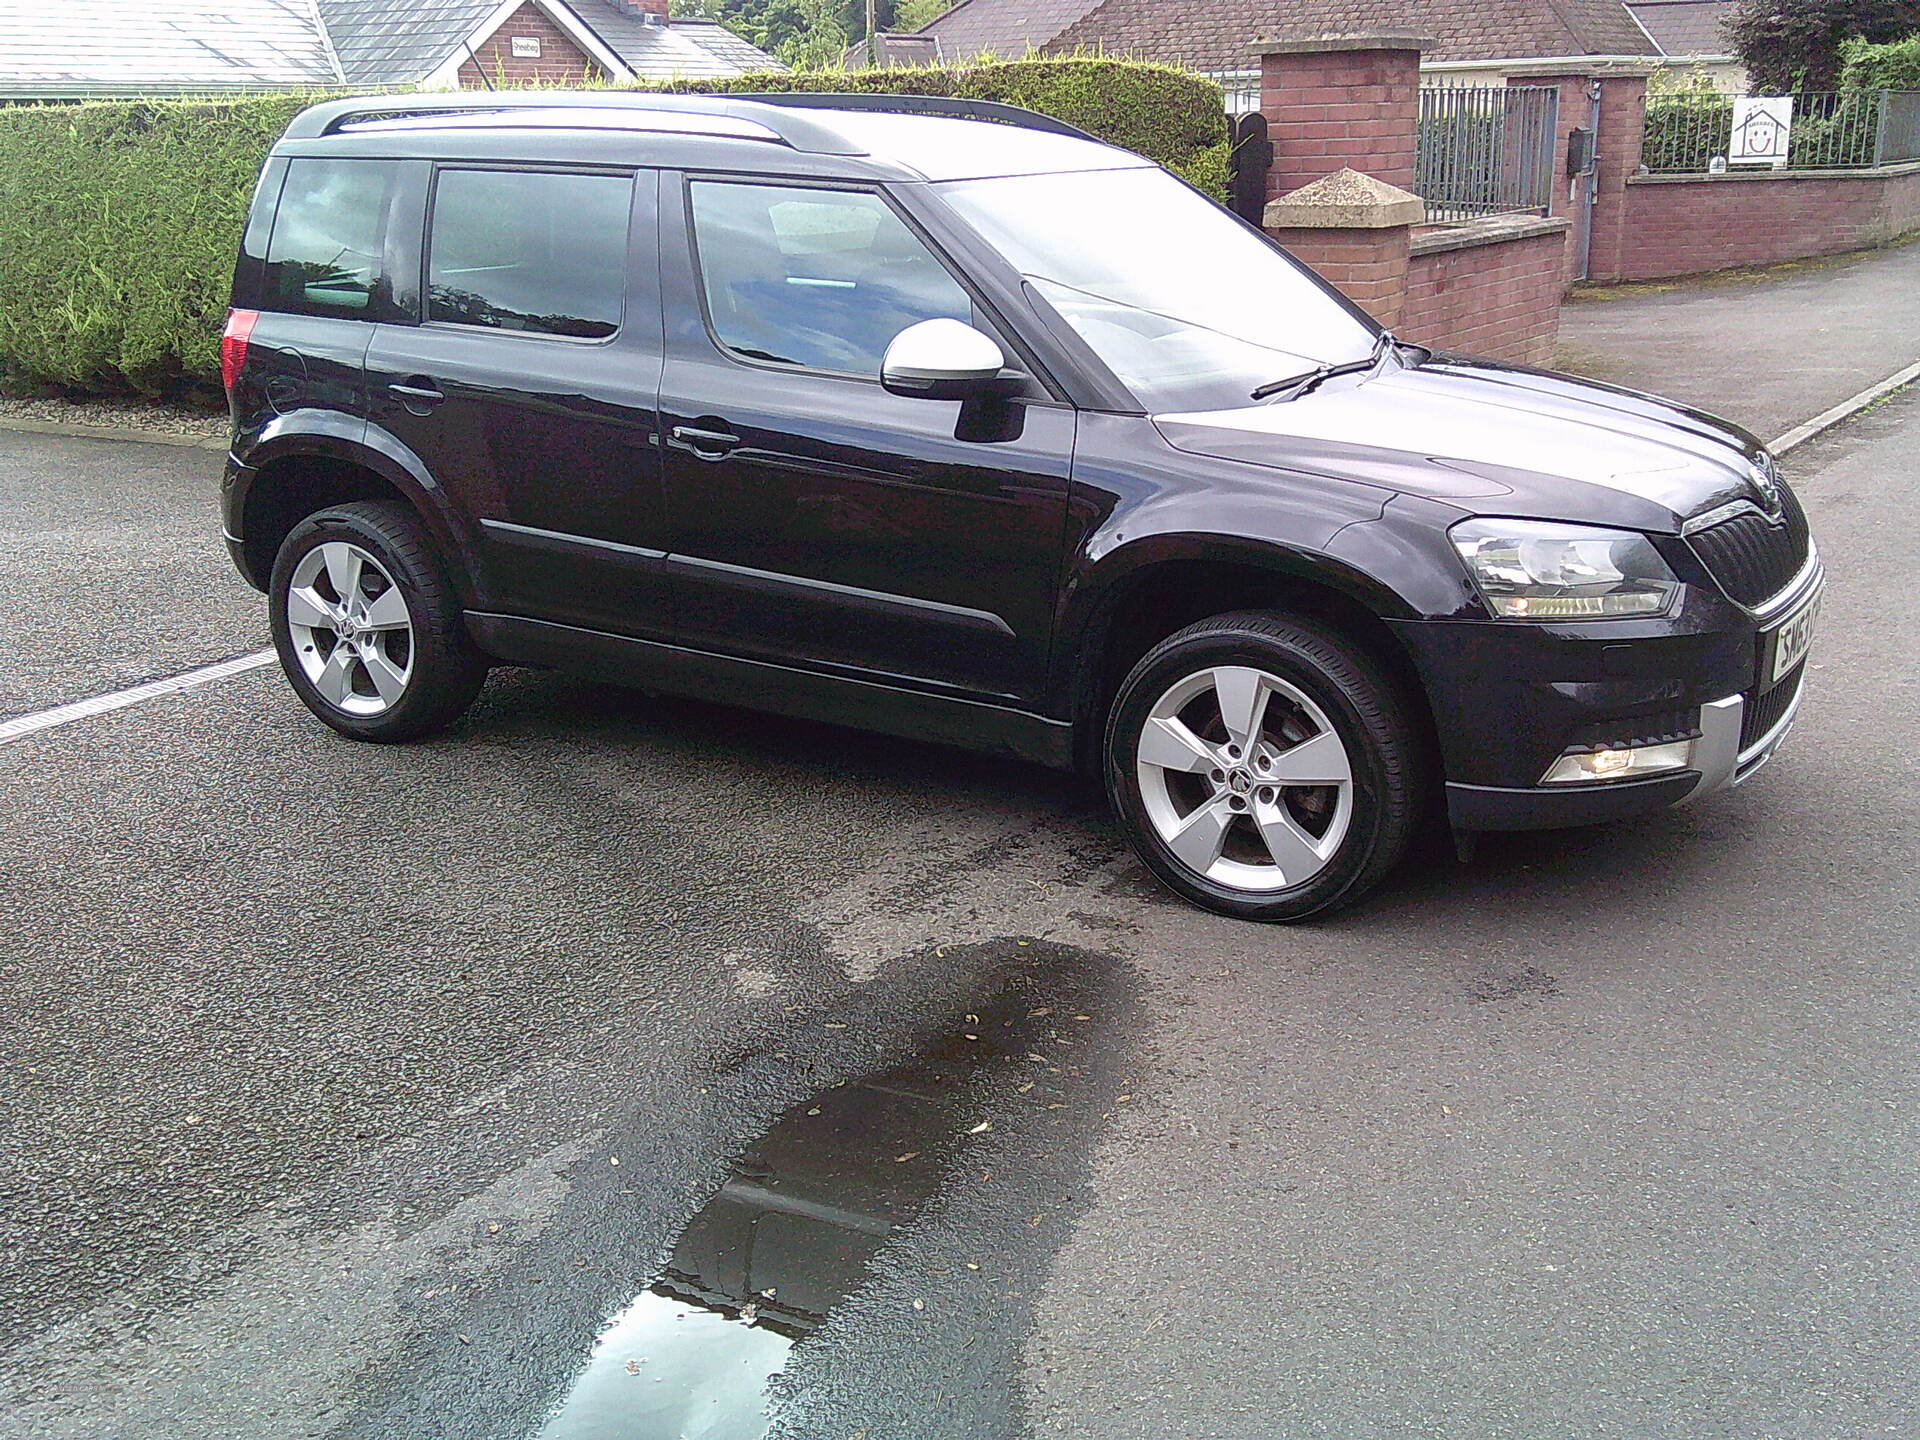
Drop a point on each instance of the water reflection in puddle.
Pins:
(668, 1368)
(789, 1235)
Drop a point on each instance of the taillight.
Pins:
(233, 345)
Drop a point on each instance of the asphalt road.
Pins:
(318, 1057)
(1768, 348)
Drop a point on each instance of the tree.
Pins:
(1790, 45)
(911, 15)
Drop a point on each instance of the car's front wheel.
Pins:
(368, 629)
(1263, 767)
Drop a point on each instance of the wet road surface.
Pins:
(319, 1058)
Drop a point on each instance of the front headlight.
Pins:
(1546, 570)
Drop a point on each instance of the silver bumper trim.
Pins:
(1717, 754)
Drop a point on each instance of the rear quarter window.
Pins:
(325, 254)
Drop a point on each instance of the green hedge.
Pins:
(1882, 67)
(119, 221)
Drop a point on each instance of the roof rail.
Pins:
(956, 109)
(796, 131)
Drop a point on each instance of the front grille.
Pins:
(1764, 711)
(1751, 556)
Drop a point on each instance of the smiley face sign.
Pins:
(1762, 126)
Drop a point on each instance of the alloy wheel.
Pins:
(1245, 779)
(351, 629)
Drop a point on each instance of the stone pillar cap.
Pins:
(1345, 40)
(1345, 200)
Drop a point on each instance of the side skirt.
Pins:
(782, 689)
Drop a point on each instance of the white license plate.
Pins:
(1788, 642)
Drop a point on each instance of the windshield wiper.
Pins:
(1294, 386)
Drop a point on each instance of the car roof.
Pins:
(889, 137)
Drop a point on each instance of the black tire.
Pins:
(1384, 753)
(444, 670)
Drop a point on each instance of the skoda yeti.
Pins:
(945, 419)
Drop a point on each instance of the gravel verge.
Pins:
(158, 417)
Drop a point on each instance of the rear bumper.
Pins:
(234, 484)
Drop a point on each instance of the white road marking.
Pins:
(1827, 419)
(13, 729)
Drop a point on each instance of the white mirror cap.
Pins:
(936, 350)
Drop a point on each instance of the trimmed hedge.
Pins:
(119, 221)
(1895, 66)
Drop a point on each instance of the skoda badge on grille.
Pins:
(1766, 484)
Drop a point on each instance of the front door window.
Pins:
(822, 279)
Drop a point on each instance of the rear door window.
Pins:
(813, 277)
(529, 251)
(325, 254)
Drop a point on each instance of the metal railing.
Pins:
(1242, 89)
(1831, 130)
(1486, 149)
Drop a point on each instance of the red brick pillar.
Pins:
(1356, 231)
(1340, 102)
(1610, 97)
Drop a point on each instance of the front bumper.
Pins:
(1509, 701)
(1719, 763)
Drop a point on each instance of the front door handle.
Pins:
(707, 444)
(417, 393)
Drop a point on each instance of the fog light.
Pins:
(1631, 764)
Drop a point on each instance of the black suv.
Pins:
(948, 420)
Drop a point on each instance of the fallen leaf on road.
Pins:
(983, 1125)
(902, 1159)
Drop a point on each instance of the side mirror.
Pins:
(945, 360)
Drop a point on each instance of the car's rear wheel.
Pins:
(367, 627)
(1263, 767)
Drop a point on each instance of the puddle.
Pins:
(792, 1230)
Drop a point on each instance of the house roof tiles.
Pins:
(70, 49)
(1207, 35)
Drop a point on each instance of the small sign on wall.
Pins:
(1762, 126)
(527, 47)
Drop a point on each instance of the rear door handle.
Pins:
(707, 444)
(417, 391)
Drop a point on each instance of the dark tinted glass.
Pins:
(820, 278)
(324, 258)
(518, 251)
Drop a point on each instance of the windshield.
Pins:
(1186, 307)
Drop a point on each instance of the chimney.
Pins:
(654, 12)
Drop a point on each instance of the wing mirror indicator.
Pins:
(947, 360)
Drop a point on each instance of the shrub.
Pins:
(1789, 45)
(1882, 67)
(119, 221)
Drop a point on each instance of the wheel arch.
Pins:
(297, 472)
(1166, 586)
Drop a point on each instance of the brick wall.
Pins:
(1491, 288)
(1369, 267)
(1686, 225)
(561, 61)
